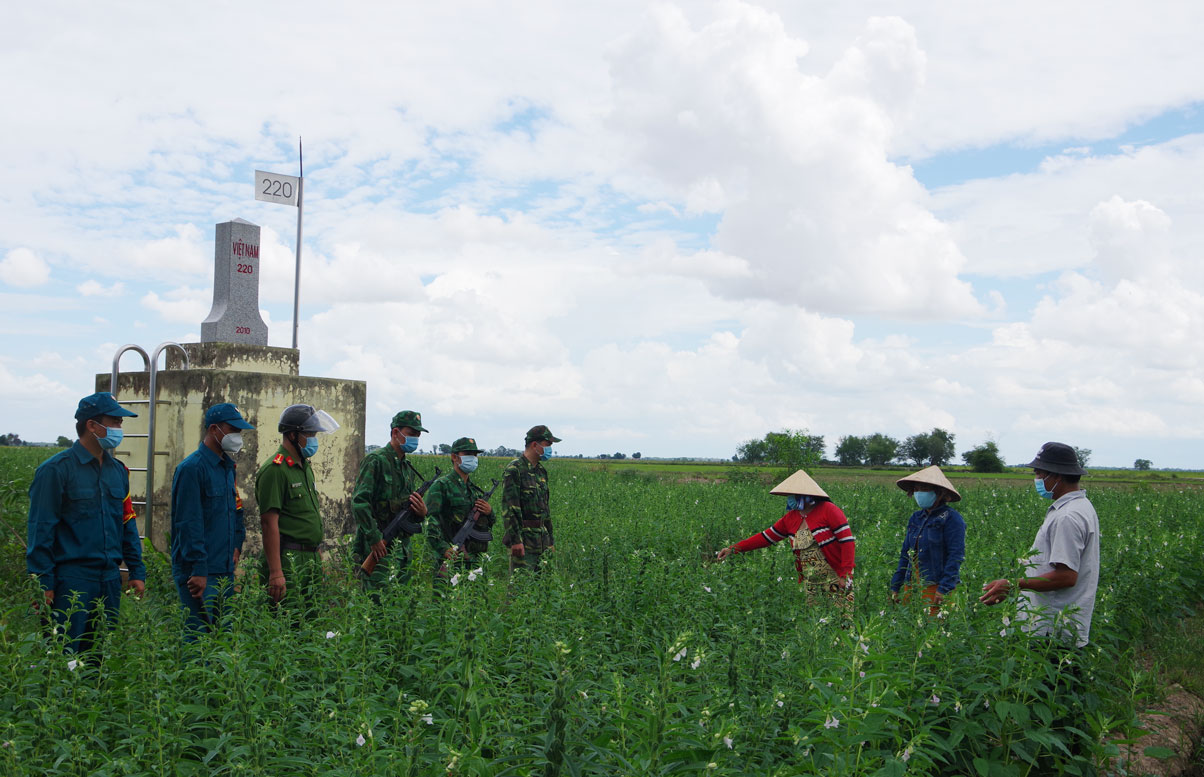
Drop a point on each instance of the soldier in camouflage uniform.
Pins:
(386, 483)
(449, 501)
(525, 510)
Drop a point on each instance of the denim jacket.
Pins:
(939, 539)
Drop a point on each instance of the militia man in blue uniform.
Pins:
(207, 528)
(82, 526)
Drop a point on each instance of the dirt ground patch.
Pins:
(1174, 727)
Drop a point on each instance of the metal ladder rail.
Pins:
(113, 390)
(153, 401)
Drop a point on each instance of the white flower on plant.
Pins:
(906, 754)
(831, 722)
(986, 704)
(728, 741)
(706, 588)
(72, 665)
(474, 574)
(861, 674)
(360, 740)
(697, 662)
(821, 620)
(935, 699)
(957, 706)
(428, 719)
(331, 634)
(1007, 621)
(680, 655)
(781, 703)
(455, 579)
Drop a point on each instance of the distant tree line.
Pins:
(793, 449)
(798, 449)
(935, 447)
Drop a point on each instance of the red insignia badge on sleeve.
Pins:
(279, 459)
(237, 499)
(127, 509)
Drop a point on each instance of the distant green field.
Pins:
(724, 471)
(634, 653)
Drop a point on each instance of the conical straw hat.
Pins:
(799, 483)
(930, 476)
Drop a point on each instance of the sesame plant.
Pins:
(633, 652)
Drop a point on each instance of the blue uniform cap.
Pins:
(226, 412)
(100, 403)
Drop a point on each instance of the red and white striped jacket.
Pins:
(827, 525)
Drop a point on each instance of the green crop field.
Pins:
(633, 654)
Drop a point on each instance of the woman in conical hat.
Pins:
(935, 545)
(820, 534)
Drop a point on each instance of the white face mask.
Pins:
(232, 443)
(468, 464)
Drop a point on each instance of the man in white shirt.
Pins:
(1063, 575)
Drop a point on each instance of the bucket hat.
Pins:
(1058, 458)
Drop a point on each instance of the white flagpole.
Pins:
(297, 278)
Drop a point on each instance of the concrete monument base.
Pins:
(262, 381)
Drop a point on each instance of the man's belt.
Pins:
(532, 524)
(288, 544)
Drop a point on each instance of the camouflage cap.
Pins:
(410, 418)
(465, 445)
(541, 433)
(101, 403)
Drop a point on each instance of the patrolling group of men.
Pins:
(82, 524)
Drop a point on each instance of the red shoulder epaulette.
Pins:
(289, 461)
(279, 459)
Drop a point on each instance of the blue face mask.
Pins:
(468, 464)
(1039, 484)
(311, 447)
(111, 439)
(924, 499)
(410, 445)
(547, 453)
(797, 502)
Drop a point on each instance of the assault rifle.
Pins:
(402, 522)
(469, 531)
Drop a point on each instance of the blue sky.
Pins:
(663, 227)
